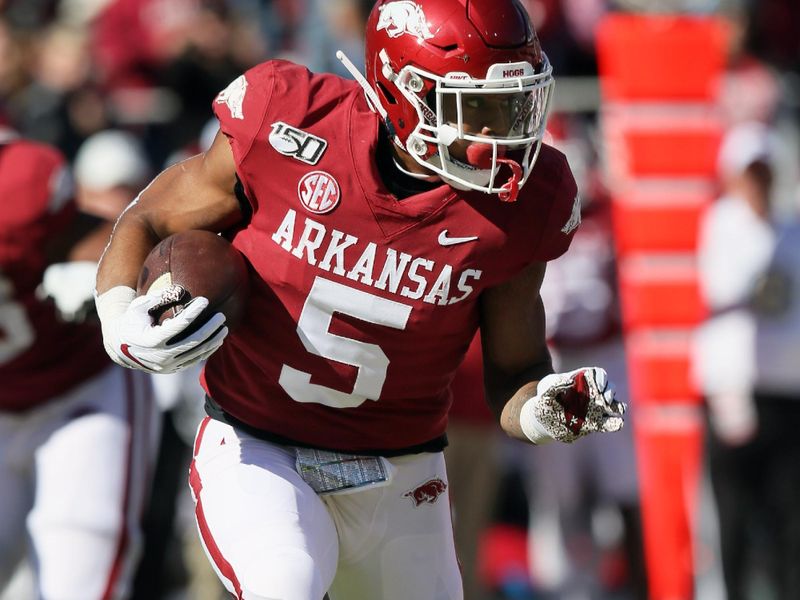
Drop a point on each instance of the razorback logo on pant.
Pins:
(428, 492)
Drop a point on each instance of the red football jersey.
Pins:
(362, 305)
(40, 356)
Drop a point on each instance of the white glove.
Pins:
(568, 406)
(132, 340)
(71, 287)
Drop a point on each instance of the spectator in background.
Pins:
(59, 105)
(12, 63)
(28, 14)
(746, 362)
(215, 51)
(111, 167)
(109, 170)
(132, 40)
(332, 25)
(566, 28)
(750, 88)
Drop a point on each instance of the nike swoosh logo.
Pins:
(124, 349)
(444, 240)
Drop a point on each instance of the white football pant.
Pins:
(269, 536)
(73, 480)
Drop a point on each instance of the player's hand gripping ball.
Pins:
(190, 265)
(192, 287)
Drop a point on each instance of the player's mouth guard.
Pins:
(484, 156)
(428, 143)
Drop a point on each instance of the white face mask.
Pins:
(482, 134)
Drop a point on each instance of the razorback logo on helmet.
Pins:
(297, 143)
(428, 492)
(402, 17)
(319, 192)
(233, 97)
(574, 218)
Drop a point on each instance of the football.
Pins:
(195, 263)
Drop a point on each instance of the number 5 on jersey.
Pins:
(327, 297)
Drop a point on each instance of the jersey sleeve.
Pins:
(242, 106)
(563, 218)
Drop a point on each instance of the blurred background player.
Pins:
(76, 432)
(109, 170)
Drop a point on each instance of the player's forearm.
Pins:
(183, 196)
(130, 243)
(510, 415)
(506, 394)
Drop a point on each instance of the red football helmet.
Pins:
(462, 85)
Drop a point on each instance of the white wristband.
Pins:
(530, 425)
(111, 305)
(114, 302)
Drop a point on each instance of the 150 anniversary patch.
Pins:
(297, 143)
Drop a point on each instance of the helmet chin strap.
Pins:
(422, 176)
(372, 98)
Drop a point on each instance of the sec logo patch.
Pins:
(319, 192)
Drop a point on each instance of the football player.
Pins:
(384, 221)
(76, 430)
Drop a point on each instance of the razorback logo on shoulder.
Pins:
(428, 492)
(574, 218)
(297, 143)
(401, 17)
(233, 97)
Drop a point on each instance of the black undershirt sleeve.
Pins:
(244, 201)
